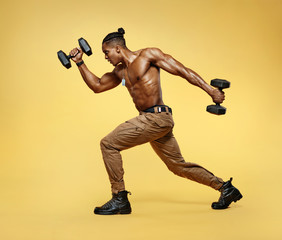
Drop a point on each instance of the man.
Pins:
(140, 72)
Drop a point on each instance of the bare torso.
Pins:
(142, 80)
(141, 71)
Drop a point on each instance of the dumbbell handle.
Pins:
(220, 89)
(70, 56)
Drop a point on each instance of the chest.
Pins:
(137, 71)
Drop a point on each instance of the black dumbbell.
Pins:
(217, 109)
(65, 59)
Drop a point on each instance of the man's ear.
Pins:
(118, 48)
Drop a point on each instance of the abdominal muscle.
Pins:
(146, 93)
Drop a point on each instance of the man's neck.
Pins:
(127, 57)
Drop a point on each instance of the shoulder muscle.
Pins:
(153, 54)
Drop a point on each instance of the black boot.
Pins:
(118, 204)
(228, 195)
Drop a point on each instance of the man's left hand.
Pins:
(218, 96)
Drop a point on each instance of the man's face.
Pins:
(111, 53)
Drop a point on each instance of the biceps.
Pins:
(108, 81)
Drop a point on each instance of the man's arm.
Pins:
(106, 82)
(171, 65)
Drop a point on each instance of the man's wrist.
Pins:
(80, 63)
(209, 89)
(210, 92)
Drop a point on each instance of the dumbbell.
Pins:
(217, 109)
(65, 59)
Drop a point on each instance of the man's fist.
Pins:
(218, 96)
(77, 55)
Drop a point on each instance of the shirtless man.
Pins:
(140, 72)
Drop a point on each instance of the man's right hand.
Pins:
(77, 52)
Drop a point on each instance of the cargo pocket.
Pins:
(130, 133)
(161, 119)
(131, 128)
(139, 126)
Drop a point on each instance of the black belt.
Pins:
(158, 109)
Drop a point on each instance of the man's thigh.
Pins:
(136, 131)
(168, 149)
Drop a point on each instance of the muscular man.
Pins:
(139, 71)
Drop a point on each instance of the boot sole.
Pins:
(125, 211)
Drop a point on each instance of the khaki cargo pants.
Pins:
(155, 128)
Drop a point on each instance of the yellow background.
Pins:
(52, 175)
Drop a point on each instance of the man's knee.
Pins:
(107, 143)
(183, 169)
(175, 169)
(104, 143)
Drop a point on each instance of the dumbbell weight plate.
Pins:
(85, 46)
(64, 59)
(220, 83)
(216, 109)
